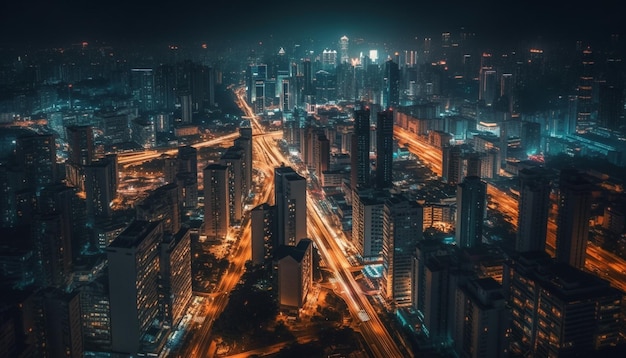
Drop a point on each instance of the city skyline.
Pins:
(267, 178)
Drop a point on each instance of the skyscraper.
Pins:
(81, 146)
(367, 220)
(290, 202)
(36, 156)
(263, 232)
(233, 159)
(391, 82)
(481, 320)
(359, 151)
(402, 230)
(573, 218)
(470, 202)
(295, 274)
(533, 207)
(175, 276)
(343, 49)
(133, 271)
(216, 201)
(557, 310)
(585, 90)
(384, 149)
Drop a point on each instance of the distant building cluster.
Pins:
(86, 271)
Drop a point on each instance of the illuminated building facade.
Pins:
(402, 230)
(573, 218)
(533, 210)
(384, 149)
(290, 201)
(263, 232)
(175, 276)
(133, 286)
(359, 151)
(216, 201)
(294, 266)
(470, 202)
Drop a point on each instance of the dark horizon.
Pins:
(42, 23)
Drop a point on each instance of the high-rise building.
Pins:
(142, 85)
(187, 176)
(52, 249)
(262, 227)
(367, 222)
(360, 149)
(384, 149)
(62, 200)
(321, 153)
(290, 202)
(470, 201)
(452, 164)
(585, 90)
(343, 49)
(611, 106)
(175, 276)
(245, 144)
(402, 230)
(558, 310)
(216, 201)
(481, 320)
(294, 273)
(36, 156)
(391, 82)
(533, 208)
(163, 205)
(233, 159)
(133, 286)
(95, 308)
(81, 145)
(62, 317)
(100, 187)
(573, 218)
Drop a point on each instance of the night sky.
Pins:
(50, 22)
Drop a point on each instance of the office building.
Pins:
(290, 202)
(584, 106)
(100, 187)
(384, 149)
(294, 265)
(133, 286)
(574, 211)
(470, 202)
(402, 230)
(481, 320)
(367, 222)
(263, 233)
(81, 145)
(216, 201)
(62, 324)
(452, 164)
(162, 204)
(533, 210)
(233, 159)
(391, 83)
(558, 310)
(62, 200)
(36, 157)
(175, 276)
(245, 144)
(360, 149)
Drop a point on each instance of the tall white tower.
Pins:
(343, 46)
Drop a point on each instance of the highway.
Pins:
(373, 331)
(598, 261)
